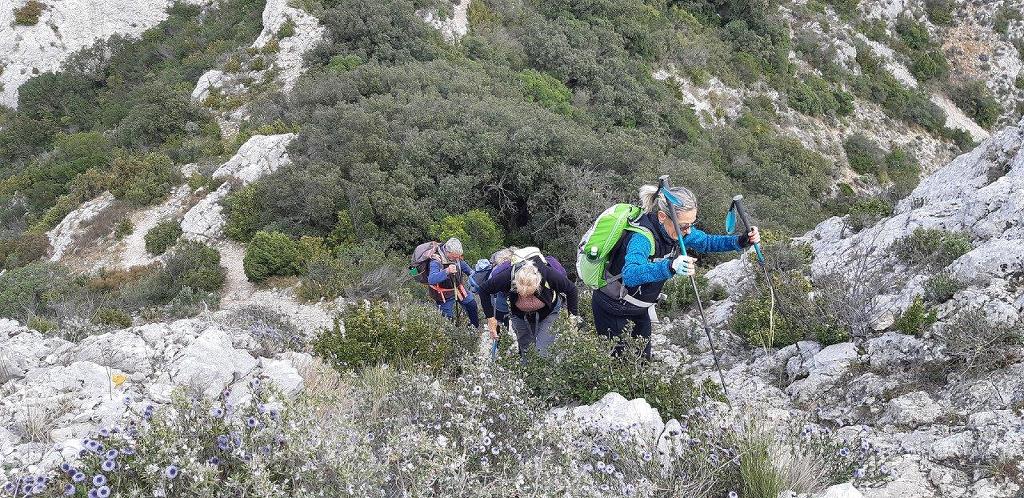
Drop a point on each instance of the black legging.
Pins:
(611, 317)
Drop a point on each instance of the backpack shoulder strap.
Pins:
(645, 232)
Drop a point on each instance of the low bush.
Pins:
(33, 289)
(867, 211)
(195, 265)
(680, 299)
(941, 288)
(28, 14)
(546, 90)
(270, 254)
(243, 214)
(932, 247)
(123, 228)
(162, 236)
(940, 12)
(352, 271)
(23, 249)
(974, 345)
(582, 369)
(141, 180)
(1003, 17)
(864, 155)
(399, 335)
(917, 319)
(929, 65)
(978, 102)
(112, 317)
(796, 316)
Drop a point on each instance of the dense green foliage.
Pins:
(270, 254)
(978, 102)
(476, 230)
(542, 116)
(940, 12)
(932, 247)
(28, 14)
(162, 236)
(917, 318)
(378, 333)
(117, 116)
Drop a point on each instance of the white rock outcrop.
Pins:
(63, 236)
(64, 27)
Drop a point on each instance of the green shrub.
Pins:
(1003, 17)
(23, 249)
(196, 265)
(379, 333)
(344, 62)
(680, 299)
(913, 33)
(546, 91)
(41, 324)
(123, 228)
(941, 288)
(845, 8)
(479, 234)
(162, 236)
(940, 12)
(816, 97)
(144, 179)
(975, 346)
(28, 14)
(978, 102)
(796, 316)
(864, 155)
(113, 317)
(30, 290)
(903, 170)
(581, 369)
(270, 254)
(866, 212)
(353, 271)
(762, 325)
(932, 247)
(929, 65)
(917, 319)
(243, 213)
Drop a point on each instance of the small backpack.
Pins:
(598, 244)
(538, 258)
(481, 272)
(421, 257)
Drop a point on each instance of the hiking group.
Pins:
(626, 257)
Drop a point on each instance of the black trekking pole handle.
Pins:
(737, 203)
(663, 186)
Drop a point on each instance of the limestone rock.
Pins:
(62, 237)
(912, 410)
(210, 363)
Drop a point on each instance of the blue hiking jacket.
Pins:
(639, 270)
(438, 276)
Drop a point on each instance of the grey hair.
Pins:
(653, 201)
(503, 255)
(453, 245)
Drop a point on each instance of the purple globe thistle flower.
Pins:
(733, 494)
(90, 444)
(38, 488)
(78, 477)
(274, 413)
(171, 471)
(104, 432)
(252, 422)
(844, 452)
(213, 461)
(108, 465)
(92, 493)
(858, 473)
(99, 480)
(69, 489)
(222, 441)
(64, 467)
(265, 450)
(9, 487)
(111, 454)
(26, 489)
(103, 491)
(217, 412)
(128, 451)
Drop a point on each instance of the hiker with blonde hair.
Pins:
(536, 287)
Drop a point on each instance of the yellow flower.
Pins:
(119, 379)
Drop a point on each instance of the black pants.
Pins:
(612, 315)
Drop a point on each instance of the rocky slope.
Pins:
(64, 27)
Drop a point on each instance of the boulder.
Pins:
(210, 363)
(824, 369)
(895, 350)
(912, 410)
(258, 156)
(614, 413)
(123, 350)
(844, 490)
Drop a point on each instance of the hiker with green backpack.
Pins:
(631, 251)
(536, 286)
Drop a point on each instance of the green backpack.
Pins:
(598, 243)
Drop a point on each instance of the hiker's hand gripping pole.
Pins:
(737, 202)
(663, 185)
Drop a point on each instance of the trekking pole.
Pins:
(664, 186)
(737, 205)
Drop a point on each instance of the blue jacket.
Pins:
(438, 276)
(639, 270)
